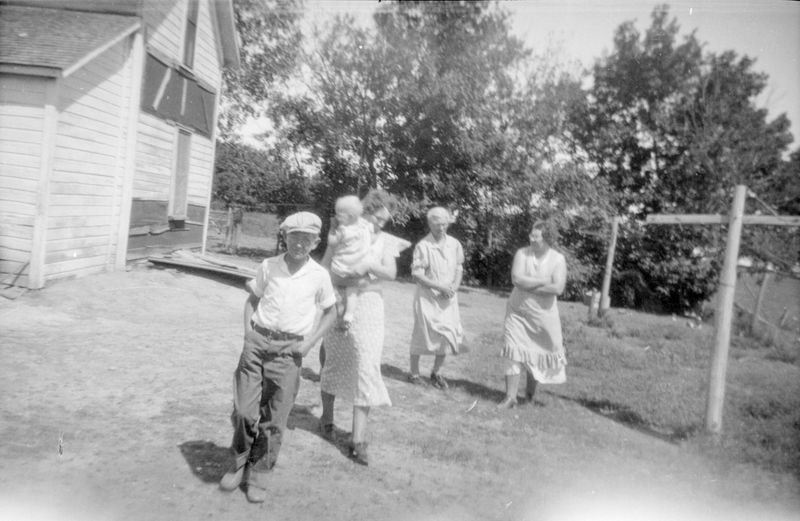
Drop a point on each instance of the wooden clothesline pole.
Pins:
(727, 286)
(605, 299)
(724, 315)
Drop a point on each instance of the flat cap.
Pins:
(302, 222)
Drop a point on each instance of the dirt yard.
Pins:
(115, 396)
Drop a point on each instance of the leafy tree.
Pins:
(257, 180)
(270, 37)
(672, 129)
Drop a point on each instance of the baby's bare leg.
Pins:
(351, 301)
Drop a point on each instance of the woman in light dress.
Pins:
(437, 268)
(532, 335)
(352, 356)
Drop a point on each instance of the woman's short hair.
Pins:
(439, 211)
(549, 231)
(377, 199)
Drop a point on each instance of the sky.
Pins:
(766, 30)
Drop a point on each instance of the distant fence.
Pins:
(232, 231)
(769, 306)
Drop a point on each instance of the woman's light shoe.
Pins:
(508, 403)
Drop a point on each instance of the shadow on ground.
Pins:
(303, 418)
(629, 418)
(207, 460)
(471, 388)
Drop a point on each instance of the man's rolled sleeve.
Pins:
(258, 284)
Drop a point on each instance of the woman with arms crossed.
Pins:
(532, 336)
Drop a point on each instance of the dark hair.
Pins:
(549, 231)
(377, 199)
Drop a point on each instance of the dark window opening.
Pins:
(175, 96)
(191, 34)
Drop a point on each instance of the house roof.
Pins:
(56, 41)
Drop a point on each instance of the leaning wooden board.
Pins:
(243, 273)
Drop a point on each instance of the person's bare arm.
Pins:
(326, 257)
(556, 285)
(553, 285)
(457, 279)
(249, 308)
(384, 268)
(520, 279)
(422, 280)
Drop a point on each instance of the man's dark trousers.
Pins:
(265, 387)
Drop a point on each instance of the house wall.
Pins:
(157, 138)
(165, 22)
(22, 101)
(88, 167)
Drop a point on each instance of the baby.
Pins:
(350, 240)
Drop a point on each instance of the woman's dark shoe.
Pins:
(439, 382)
(414, 379)
(326, 429)
(358, 453)
(530, 387)
(508, 403)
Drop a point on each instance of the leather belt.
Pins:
(275, 335)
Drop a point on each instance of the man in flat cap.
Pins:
(279, 331)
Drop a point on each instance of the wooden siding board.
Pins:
(104, 101)
(8, 159)
(11, 254)
(18, 178)
(26, 121)
(81, 161)
(82, 189)
(69, 267)
(10, 195)
(80, 126)
(19, 135)
(82, 145)
(13, 266)
(18, 207)
(12, 232)
(8, 149)
(71, 245)
(57, 234)
(80, 201)
(14, 218)
(75, 221)
(163, 21)
(20, 244)
(17, 231)
(66, 211)
(207, 60)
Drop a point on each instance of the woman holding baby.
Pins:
(352, 363)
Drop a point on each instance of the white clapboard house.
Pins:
(107, 126)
